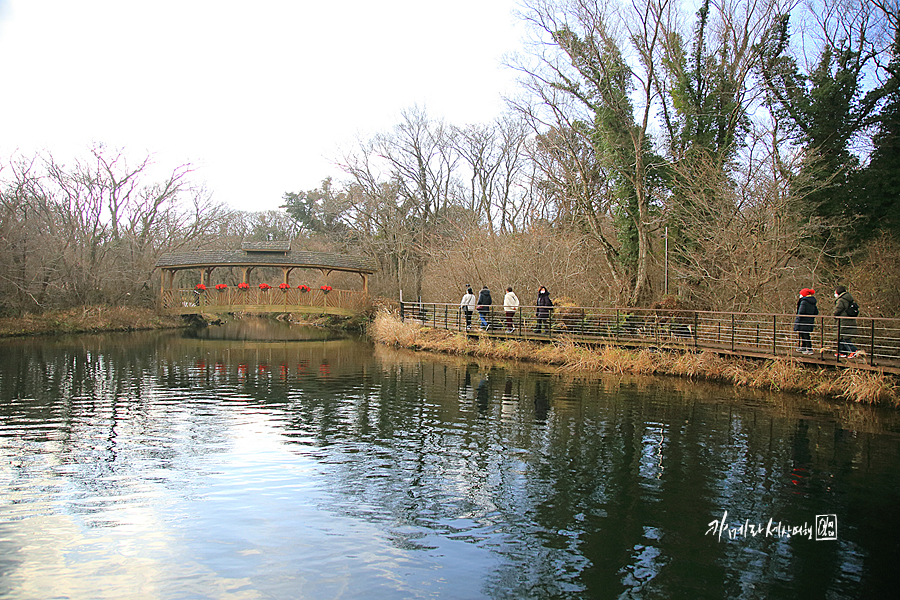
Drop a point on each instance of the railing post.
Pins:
(821, 332)
(774, 335)
(732, 332)
(872, 345)
(696, 330)
(402, 316)
(446, 323)
(837, 352)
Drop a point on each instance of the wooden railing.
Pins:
(747, 334)
(337, 302)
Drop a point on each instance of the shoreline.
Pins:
(100, 319)
(777, 375)
(88, 319)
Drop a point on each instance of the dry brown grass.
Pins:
(783, 374)
(868, 387)
(389, 329)
(87, 319)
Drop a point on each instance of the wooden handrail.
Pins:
(272, 300)
(758, 335)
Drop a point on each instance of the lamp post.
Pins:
(667, 261)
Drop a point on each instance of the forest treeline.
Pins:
(726, 157)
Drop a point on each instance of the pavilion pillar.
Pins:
(167, 280)
(162, 287)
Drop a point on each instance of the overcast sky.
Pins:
(260, 96)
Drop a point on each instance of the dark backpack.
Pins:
(853, 309)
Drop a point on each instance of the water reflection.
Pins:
(262, 329)
(180, 466)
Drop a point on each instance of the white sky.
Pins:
(259, 96)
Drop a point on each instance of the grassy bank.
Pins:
(87, 319)
(782, 374)
(95, 319)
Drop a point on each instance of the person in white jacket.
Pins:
(510, 305)
(468, 306)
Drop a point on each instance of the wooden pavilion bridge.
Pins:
(751, 335)
(211, 296)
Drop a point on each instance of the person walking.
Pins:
(467, 304)
(805, 320)
(484, 307)
(845, 306)
(544, 306)
(510, 306)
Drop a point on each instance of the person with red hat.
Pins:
(806, 319)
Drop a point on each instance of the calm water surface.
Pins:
(159, 465)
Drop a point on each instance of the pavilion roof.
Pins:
(276, 246)
(266, 257)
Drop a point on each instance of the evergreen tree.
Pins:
(825, 110)
(877, 187)
(621, 144)
(705, 118)
(319, 210)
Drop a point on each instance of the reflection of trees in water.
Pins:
(114, 411)
(581, 485)
(606, 489)
(95, 413)
(263, 330)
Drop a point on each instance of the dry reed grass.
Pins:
(868, 387)
(781, 374)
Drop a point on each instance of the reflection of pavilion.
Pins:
(280, 296)
(265, 360)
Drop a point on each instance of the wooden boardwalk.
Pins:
(749, 335)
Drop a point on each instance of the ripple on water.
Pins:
(315, 471)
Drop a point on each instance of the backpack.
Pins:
(853, 309)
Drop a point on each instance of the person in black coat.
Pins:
(544, 306)
(806, 319)
(484, 307)
(842, 301)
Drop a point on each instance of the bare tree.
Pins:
(496, 160)
(404, 190)
(92, 232)
(746, 237)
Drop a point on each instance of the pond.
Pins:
(262, 460)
